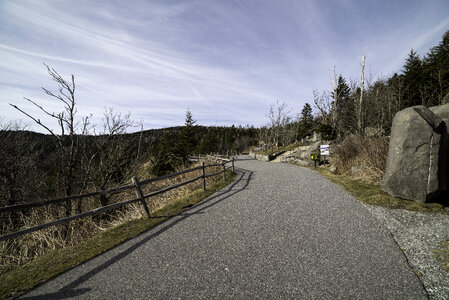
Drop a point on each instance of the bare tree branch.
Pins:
(36, 120)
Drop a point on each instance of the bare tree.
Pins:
(323, 103)
(334, 83)
(360, 104)
(111, 153)
(82, 160)
(279, 116)
(66, 139)
(263, 135)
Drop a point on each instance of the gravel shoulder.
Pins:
(418, 235)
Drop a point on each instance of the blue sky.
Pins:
(225, 60)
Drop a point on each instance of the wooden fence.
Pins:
(135, 185)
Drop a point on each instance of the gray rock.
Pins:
(304, 152)
(260, 157)
(442, 111)
(416, 163)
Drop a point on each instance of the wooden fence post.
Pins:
(233, 164)
(204, 175)
(224, 171)
(140, 195)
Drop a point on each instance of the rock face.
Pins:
(442, 111)
(260, 157)
(302, 154)
(417, 166)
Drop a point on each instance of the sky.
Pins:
(225, 60)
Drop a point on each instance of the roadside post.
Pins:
(324, 150)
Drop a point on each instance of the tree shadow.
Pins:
(71, 289)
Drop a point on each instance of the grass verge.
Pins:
(20, 280)
(373, 195)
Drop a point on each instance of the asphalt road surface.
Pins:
(279, 231)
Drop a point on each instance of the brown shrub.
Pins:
(363, 158)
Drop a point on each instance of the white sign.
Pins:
(324, 150)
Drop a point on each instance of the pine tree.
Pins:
(209, 142)
(306, 114)
(346, 114)
(163, 161)
(187, 140)
(412, 79)
(305, 121)
(436, 70)
(229, 138)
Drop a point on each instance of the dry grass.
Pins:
(54, 262)
(21, 250)
(371, 194)
(362, 158)
(441, 253)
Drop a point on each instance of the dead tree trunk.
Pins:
(360, 106)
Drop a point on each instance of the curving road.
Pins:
(279, 231)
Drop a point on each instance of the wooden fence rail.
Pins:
(59, 200)
(135, 185)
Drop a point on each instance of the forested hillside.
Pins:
(368, 106)
(364, 107)
(30, 168)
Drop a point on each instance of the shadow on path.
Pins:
(72, 290)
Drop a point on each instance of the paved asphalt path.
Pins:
(279, 231)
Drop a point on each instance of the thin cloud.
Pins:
(63, 59)
(226, 60)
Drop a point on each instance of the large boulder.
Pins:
(302, 154)
(442, 111)
(417, 155)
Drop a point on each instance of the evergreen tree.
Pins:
(305, 121)
(209, 142)
(229, 138)
(163, 161)
(436, 70)
(346, 118)
(412, 79)
(187, 141)
(306, 114)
